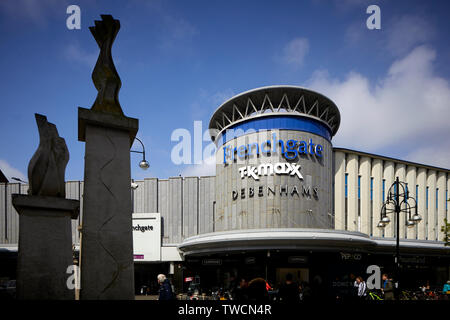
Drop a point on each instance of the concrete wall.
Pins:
(369, 173)
(186, 205)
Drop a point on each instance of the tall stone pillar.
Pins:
(45, 246)
(107, 270)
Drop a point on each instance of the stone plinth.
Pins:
(45, 246)
(107, 270)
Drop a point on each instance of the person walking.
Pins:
(165, 288)
(446, 289)
(257, 290)
(240, 293)
(352, 290)
(305, 291)
(362, 288)
(388, 288)
(289, 291)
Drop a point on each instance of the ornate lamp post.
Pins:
(398, 201)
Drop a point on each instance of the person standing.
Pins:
(352, 294)
(289, 291)
(446, 289)
(362, 288)
(241, 292)
(165, 288)
(257, 290)
(388, 288)
(305, 291)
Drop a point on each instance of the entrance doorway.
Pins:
(298, 274)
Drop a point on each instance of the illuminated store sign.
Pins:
(266, 169)
(290, 150)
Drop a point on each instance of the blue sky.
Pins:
(392, 85)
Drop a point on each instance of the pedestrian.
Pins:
(446, 289)
(353, 291)
(388, 288)
(362, 288)
(240, 293)
(289, 290)
(305, 291)
(165, 288)
(257, 290)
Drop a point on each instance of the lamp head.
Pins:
(381, 225)
(416, 218)
(144, 164)
(385, 220)
(410, 223)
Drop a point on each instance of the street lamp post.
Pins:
(398, 201)
(144, 163)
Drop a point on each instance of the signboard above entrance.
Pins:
(146, 237)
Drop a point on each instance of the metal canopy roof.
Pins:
(303, 239)
(272, 101)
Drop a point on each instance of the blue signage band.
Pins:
(274, 122)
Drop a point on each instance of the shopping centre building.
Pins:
(283, 200)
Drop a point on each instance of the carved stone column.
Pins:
(107, 270)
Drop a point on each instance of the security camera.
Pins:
(134, 185)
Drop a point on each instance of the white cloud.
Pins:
(406, 32)
(9, 171)
(437, 155)
(207, 168)
(176, 32)
(406, 112)
(75, 53)
(294, 52)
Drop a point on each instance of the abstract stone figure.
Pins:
(105, 76)
(45, 227)
(48, 165)
(107, 267)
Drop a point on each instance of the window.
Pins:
(417, 194)
(346, 185)
(437, 195)
(359, 187)
(384, 189)
(371, 189)
(371, 207)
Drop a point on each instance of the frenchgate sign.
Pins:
(146, 237)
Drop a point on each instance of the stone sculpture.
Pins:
(105, 77)
(107, 267)
(48, 164)
(45, 227)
